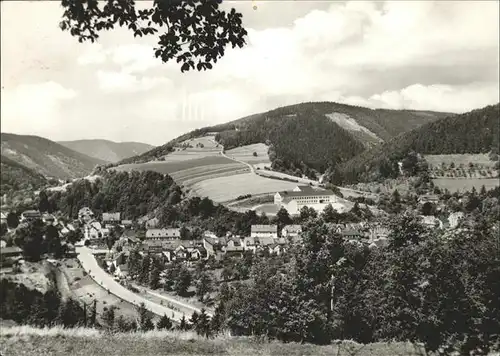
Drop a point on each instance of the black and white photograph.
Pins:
(245, 177)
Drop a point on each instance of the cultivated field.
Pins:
(465, 184)
(25, 340)
(203, 171)
(245, 154)
(224, 189)
(175, 166)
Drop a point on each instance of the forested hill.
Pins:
(473, 132)
(16, 177)
(47, 157)
(315, 133)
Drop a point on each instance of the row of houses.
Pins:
(268, 231)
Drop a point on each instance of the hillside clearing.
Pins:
(89, 342)
(246, 154)
(171, 167)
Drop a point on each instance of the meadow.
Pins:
(481, 159)
(25, 340)
(465, 184)
(246, 154)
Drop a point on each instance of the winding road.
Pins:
(89, 264)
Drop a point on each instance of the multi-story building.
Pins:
(163, 234)
(304, 195)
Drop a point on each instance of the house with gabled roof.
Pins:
(291, 231)
(163, 234)
(264, 231)
(152, 223)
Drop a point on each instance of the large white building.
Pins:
(304, 195)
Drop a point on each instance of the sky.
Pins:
(421, 55)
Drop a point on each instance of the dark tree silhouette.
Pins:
(12, 220)
(195, 32)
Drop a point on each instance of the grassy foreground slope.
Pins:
(23, 340)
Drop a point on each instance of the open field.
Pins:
(457, 159)
(245, 154)
(189, 183)
(205, 142)
(24, 340)
(465, 184)
(171, 167)
(225, 189)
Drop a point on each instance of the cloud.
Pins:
(94, 54)
(435, 97)
(34, 107)
(121, 81)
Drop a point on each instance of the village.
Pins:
(112, 238)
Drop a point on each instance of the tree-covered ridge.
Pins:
(134, 194)
(16, 177)
(473, 132)
(384, 123)
(305, 137)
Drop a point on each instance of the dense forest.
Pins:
(133, 194)
(306, 137)
(28, 306)
(423, 287)
(473, 132)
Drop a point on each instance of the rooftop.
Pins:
(9, 250)
(264, 228)
(312, 193)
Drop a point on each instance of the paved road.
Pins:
(89, 264)
(189, 308)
